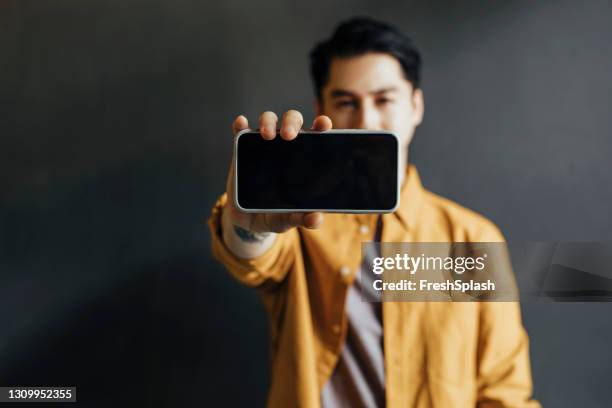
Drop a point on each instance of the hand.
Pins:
(291, 123)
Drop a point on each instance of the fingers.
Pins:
(240, 123)
(268, 222)
(312, 220)
(267, 125)
(291, 124)
(322, 123)
(307, 220)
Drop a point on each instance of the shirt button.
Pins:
(345, 271)
(336, 328)
(364, 229)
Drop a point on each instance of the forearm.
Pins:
(243, 243)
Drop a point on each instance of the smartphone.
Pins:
(350, 171)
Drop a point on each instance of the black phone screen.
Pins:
(318, 171)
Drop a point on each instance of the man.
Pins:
(329, 348)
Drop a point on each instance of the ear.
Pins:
(418, 106)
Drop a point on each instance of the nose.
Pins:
(368, 117)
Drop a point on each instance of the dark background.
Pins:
(115, 141)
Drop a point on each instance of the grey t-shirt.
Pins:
(358, 379)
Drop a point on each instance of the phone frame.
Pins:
(301, 210)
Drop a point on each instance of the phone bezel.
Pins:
(300, 210)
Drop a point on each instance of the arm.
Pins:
(272, 264)
(504, 373)
(503, 369)
(242, 242)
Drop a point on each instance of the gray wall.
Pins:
(115, 142)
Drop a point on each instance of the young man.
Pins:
(329, 348)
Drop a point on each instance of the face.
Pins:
(370, 91)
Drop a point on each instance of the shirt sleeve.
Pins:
(272, 265)
(504, 371)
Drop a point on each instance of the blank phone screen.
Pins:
(318, 171)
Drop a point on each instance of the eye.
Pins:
(384, 101)
(345, 103)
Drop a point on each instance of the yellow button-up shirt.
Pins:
(436, 354)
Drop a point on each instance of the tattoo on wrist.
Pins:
(249, 236)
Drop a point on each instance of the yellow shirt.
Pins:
(437, 354)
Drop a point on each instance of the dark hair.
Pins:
(361, 35)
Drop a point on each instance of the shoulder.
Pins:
(463, 223)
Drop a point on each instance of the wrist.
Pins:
(241, 241)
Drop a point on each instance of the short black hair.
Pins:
(361, 35)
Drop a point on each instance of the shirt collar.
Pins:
(410, 198)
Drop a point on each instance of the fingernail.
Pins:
(315, 221)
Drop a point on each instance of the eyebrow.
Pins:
(336, 93)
